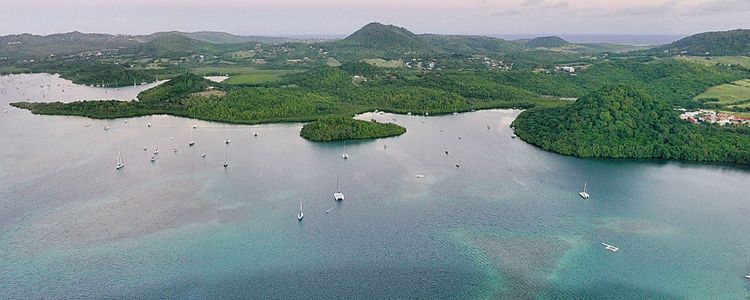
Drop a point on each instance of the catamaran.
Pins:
(301, 214)
(120, 164)
(338, 195)
(610, 247)
(584, 194)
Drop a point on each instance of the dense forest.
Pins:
(625, 122)
(343, 128)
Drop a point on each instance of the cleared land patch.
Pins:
(258, 76)
(729, 93)
(714, 60)
(382, 63)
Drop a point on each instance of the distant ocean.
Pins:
(625, 39)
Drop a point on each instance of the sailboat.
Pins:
(584, 194)
(226, 162)
(338, 195)
(120, 163)
(301, 214)
(192, 142)
(106, 124)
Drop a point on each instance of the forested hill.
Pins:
(722, 43)
(471, 44)
(378, 40)
(547, 42)
(625, 122)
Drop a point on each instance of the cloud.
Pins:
(505, 13)
(527, 3)
(633, 11)
(543, 4)
(720, 7)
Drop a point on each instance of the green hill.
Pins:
(720, 43)
(547, 42)
(37, 46)
(175, 45)
(466, 44)
(384, 41)
(626, 122)
(217, 37)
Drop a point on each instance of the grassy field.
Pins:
(223, 70)
(737, 114)
(13, 69)
(382, 63)
(243, 54)
(713, 60)
(332, 62)
(258, 76)
(729, 93)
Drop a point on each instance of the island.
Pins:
(343, 128)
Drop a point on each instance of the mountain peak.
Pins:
(385, 40)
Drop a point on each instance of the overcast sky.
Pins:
(303, 17)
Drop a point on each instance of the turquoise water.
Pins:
(507, 223)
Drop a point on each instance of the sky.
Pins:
(322, 17)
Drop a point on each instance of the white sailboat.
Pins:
(338, 195)
(120, 163)
(584, 194)
(192, 142)
(301, 214)
(226, 162)
(106, 124)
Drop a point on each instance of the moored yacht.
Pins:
(338, 195)
(301, 214)
(120, 163)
